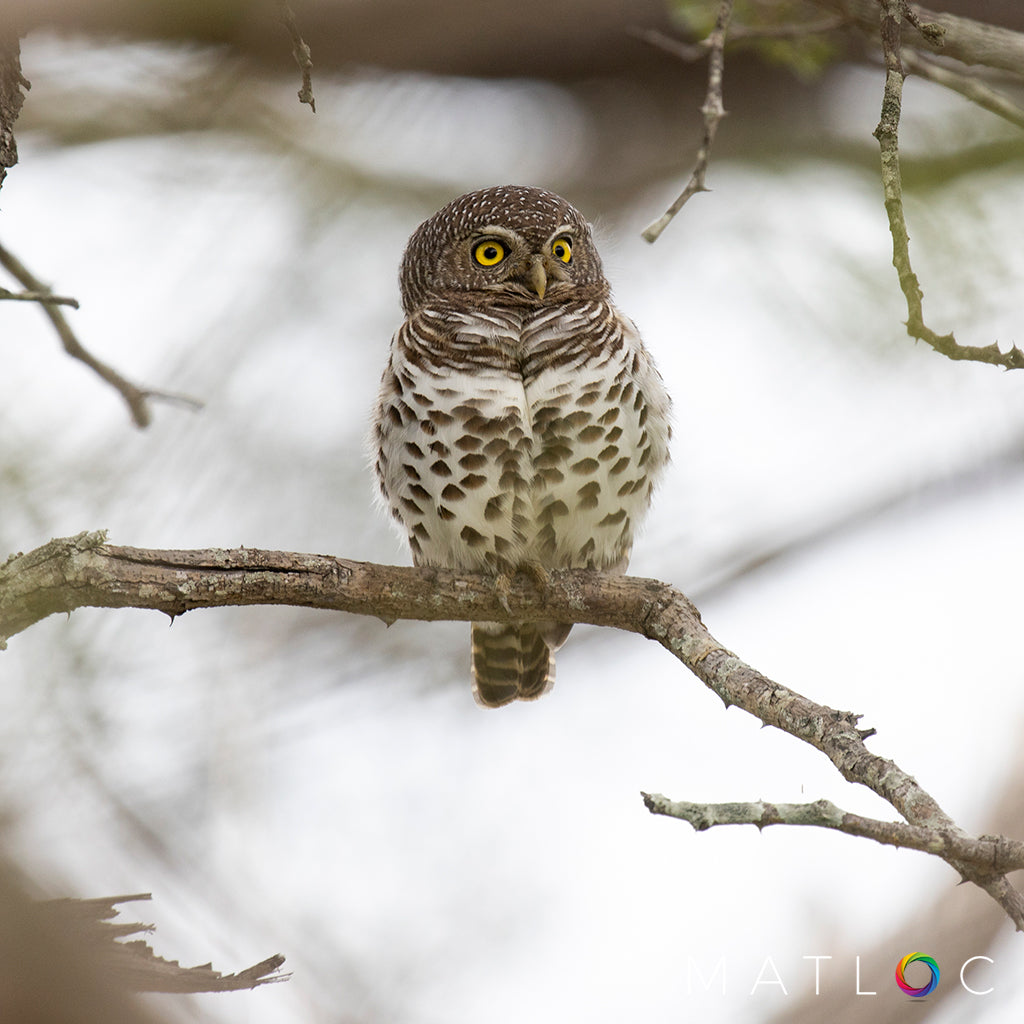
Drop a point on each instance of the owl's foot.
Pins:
(536, 572)
(502, 585)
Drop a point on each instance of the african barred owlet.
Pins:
(520, 422)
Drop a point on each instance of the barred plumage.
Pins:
(520, 421)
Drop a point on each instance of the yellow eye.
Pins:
(489, 253)
(562, 250)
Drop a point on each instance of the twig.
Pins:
(737, 33)
(887, 134)
(135, 398)
(713, 111)
(992, 853)
(795, 30)
(932, 31)
(44, 298)
(301, 53)
(83, 571)
(676, 47)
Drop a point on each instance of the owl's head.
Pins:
(507, 245)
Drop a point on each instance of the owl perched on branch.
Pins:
(520, 424)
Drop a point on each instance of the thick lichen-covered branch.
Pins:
(85, 571)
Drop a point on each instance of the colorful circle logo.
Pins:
(924, 990)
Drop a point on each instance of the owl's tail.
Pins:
(514, 661)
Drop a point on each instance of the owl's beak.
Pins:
(537, 276)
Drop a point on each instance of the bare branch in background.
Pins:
(12, 84)
(969, 87)
(301, 53)
(964, 39)
(136, 398)
(85, 571)
(64, 961)
(713, 111)
(676, 47)
(133, 965)
(793, 30)
(887, 133)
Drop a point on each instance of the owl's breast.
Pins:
(600, 428)
(520, 437)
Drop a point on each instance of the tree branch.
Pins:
(713, 111)
(82, 571)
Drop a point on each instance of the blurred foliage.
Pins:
(790, 34)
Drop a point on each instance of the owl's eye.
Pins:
(489, 253)
(562, 250)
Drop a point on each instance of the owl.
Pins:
(520, 424)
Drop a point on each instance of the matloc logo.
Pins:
(924, 990)
(917, 975)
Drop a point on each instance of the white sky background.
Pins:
(298, 782)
